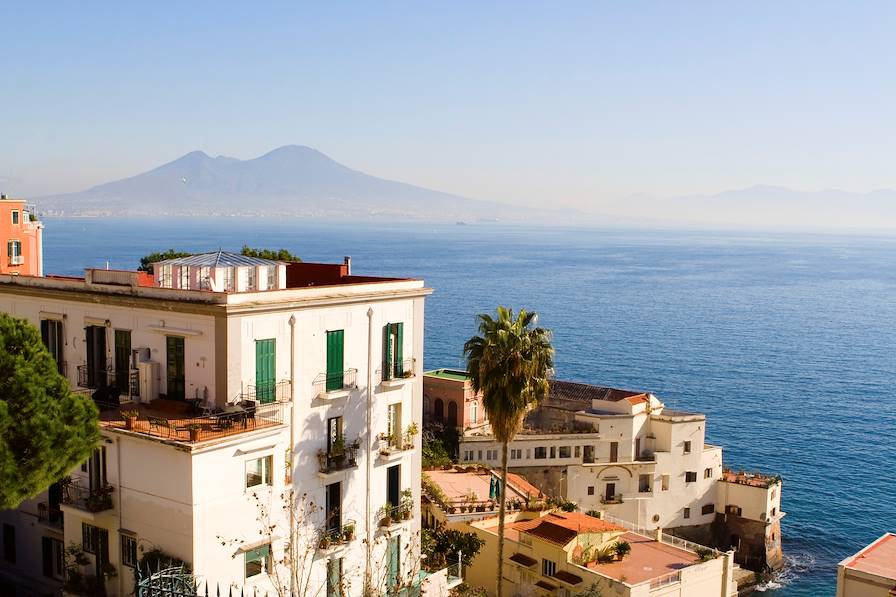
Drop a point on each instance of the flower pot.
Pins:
(386, 521)
(194, 434)
(130, 423)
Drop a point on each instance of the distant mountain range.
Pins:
(289, 181)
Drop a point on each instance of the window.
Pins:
(548, 567)
(468, 455)
(479, 454)
(733, 510)
(14, 251)
(394, 563)
(553, 452)
(334, 577)
(690, 477)
(53, 558)
(9, 543)
(643, 483)
(686, 513)
(774, 511)
(565, 452)
(15, 216)
(333, 507)
(665, 482)
(335, 352)
(516, 454)
(687, 447)
(474, 412)
(165, 280)
(272, 277)
(614, 451)
(184, 277)
(258, 561)
(591, 490)
(129, 551)
(250, 278)
(772, 494)
(588, 454)
(578, 451)
(393, 351)
(394, 423)
(89, 537)
(707, 473)
(205, 274)
(541, 453)
(259, 471)
(228, 279)
(528, 453)
(51, 334)
(708, 509)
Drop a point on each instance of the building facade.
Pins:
(449, 400)
(871, 572)
(239, 429)
(22, 235)
(624, 453)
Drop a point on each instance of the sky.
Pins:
(568, 103)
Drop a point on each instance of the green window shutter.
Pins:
(335, 360)
(387, 352)
(394, 561)
(265, 369)
(398, 329)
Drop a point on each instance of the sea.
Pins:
(786, 341)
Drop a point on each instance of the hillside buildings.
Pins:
(22, 235)
(624, 453)
(224, 383)
(566, 553)
(871, 572)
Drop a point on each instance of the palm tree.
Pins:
(509, 362)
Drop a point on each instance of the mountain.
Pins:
(289, 181)
(765, 207)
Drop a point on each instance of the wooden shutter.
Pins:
(387, 351)
(397, 330)
(265, 369)
(335, 362)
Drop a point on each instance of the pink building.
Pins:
(21, 232)
(449, 399)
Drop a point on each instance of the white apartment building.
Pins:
(242, 392)
(624, 453)
(871, 572)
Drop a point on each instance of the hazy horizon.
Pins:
(582, 105)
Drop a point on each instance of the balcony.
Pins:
(88, 500)
(332, 537)
(50, 515)
(613, 499)
(329, 386)
(123, 383)
(392, 446)
(16, 260)
(396, 374)
(339, 457)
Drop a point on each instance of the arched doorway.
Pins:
(452, 414)
(439, 411)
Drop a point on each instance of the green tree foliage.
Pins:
(441, 545)
(45, 429)
(509, 362)
(273, 254)
(147, 261)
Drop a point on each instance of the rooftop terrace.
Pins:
(649, 560)
(751, 479)
(879, 558)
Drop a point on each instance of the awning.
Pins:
(546, 585)
(567, 577)
(523, 560)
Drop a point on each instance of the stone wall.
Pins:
(757, 544)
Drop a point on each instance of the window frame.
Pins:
(690, 476)
(543, 450)
(265, 559)
(128, 546)
(548, 567)
(266, 476)
(686, 513)
(16, 218)
(686, 447)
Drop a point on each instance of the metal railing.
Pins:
(337, 459)
(272, 391)
(336, 381)
(665, 580)
(90, 500)
(403, 369)
(126, 383)
(337, 534)
(613, 499)
(50, 515)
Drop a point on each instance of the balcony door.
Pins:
(96, 356)
(610, 492)
(614, 451)
(96, 469)
(122, 360)
(174, 346)
(334, 507)
(265, 369)
(393, 485)
(335, 359)
(392, 350)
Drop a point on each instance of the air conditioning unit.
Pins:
(149, 380)
(17, 260)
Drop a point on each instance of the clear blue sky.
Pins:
(576, 103)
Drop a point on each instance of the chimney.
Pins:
(348, 265)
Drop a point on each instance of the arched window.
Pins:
(439, 410)
(474, 412)
(452, 413)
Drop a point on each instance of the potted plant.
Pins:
(348, 531)
(324, 542)
(386, 520)
(406, 506)
(322, 459)
(622, 549)
(194, 428)
(130, 418)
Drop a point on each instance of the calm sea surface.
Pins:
(786, 342)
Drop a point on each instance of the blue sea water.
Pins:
(786, 342)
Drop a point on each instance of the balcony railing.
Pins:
(326, 383)
(273, 391)
(126, 383)
(51, 515)
(89, 500)
(397, 371)
(332, 535)
(613, 499)
(338, 458)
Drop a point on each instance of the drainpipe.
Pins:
(368, 580)
(120, 505)
(292, 446)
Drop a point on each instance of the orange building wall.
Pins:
(27, 232)
(451, 391)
